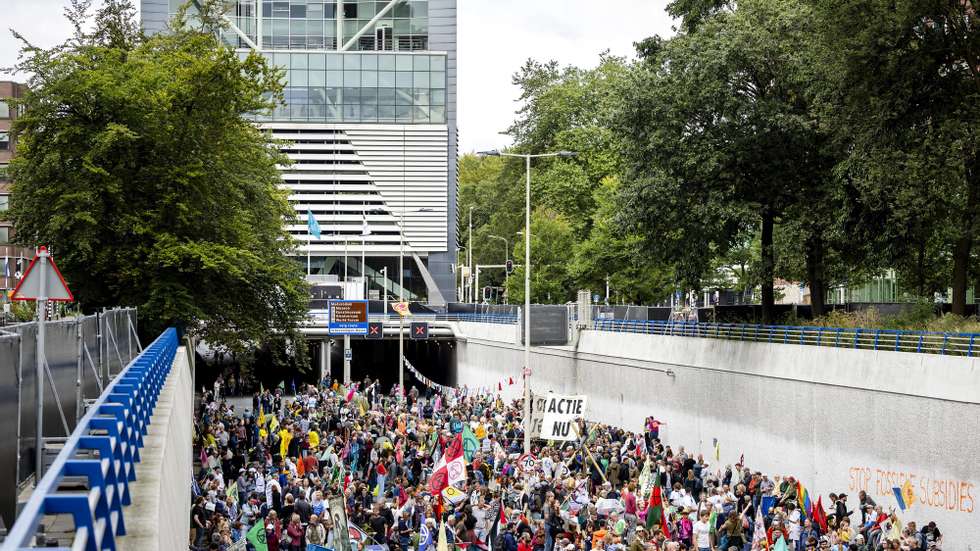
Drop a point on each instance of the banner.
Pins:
(338, 513)
(401, 308)
(559, 414)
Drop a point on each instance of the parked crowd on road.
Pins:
(273, 477)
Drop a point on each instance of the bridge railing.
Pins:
(89, 479)
(503, 319)
(925, 342)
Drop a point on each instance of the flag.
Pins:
(499, 521)
(284, 438)
(256, 536)
(365, 230)
(717, 450)
(312, 225)
(443, 540)
(510, 380)
(780, 543)
(759, 539)
(899, 497)
(766, 504)
(232, 491)
(274, 424)
(261, 419)
(451, 467)
(804, 498)
(908, 493)
(470, 443)
(819, 516)
(655, 510)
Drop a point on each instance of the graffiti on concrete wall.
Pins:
(939, 493)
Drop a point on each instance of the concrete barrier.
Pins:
(838, 419)
(159, 518)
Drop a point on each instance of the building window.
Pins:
(4, 110)
(4, 140)
(4, 236)
(4, 203)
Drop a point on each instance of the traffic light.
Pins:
(509, 267)
(487, 293)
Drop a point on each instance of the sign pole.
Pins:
(347, 358)
(42, 314)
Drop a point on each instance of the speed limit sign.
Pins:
(527, 462)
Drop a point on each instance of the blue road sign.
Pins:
(348, 317)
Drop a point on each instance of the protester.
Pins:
(398, 470)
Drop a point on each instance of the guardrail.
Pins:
(89, 479)
(924, 342)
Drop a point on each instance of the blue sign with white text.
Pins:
(348, 317)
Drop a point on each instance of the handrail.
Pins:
(114, 428)
(897, 340)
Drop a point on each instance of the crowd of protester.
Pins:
(271, 470)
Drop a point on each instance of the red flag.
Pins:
(450, 468)
(819, 516)
(500, 387)
(510, 380)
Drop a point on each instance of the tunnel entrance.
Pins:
(378, 359)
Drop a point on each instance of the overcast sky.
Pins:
(495, 38)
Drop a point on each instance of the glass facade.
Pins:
(375, 87)
(312, 24)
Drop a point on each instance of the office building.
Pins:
(13, 259)
(370, 115)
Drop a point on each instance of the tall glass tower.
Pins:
(370, 117)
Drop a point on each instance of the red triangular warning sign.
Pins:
(29, 287)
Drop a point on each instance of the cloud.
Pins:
(497, 36)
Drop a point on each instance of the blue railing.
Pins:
(925, 342)
(103, 451)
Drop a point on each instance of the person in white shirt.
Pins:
(702, 533)
(793, 524)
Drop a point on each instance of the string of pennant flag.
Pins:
(461, 390)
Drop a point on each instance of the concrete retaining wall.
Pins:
(159, 517)
(838, 419)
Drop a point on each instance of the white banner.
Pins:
(555, 416)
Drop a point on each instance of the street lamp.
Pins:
(506, 257)
(527, 278)
(469, 253)
(401, 290)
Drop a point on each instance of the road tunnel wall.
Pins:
(838, 419)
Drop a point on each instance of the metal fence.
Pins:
(81, 356)
(925, 342)
(86, 487)
(504, 319)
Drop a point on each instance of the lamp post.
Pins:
(527, 279)
(401, 291)
(469, 253)
(506, 257)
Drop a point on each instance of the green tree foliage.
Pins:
(722, 139)
(138, 166)
(551, 240)
(908, 77)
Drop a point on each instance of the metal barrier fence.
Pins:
(81, 355)
(925, 342)
(89, 479)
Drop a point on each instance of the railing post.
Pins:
(819, 336)
(969, 351)
(802, 335)
(945, 341)
(919, 347)
(837, 337)
(898, 339)
(877, 333)
(857, 335)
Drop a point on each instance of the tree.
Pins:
(721, 136)
(908, 75)
(139, 167)
(551, 240)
